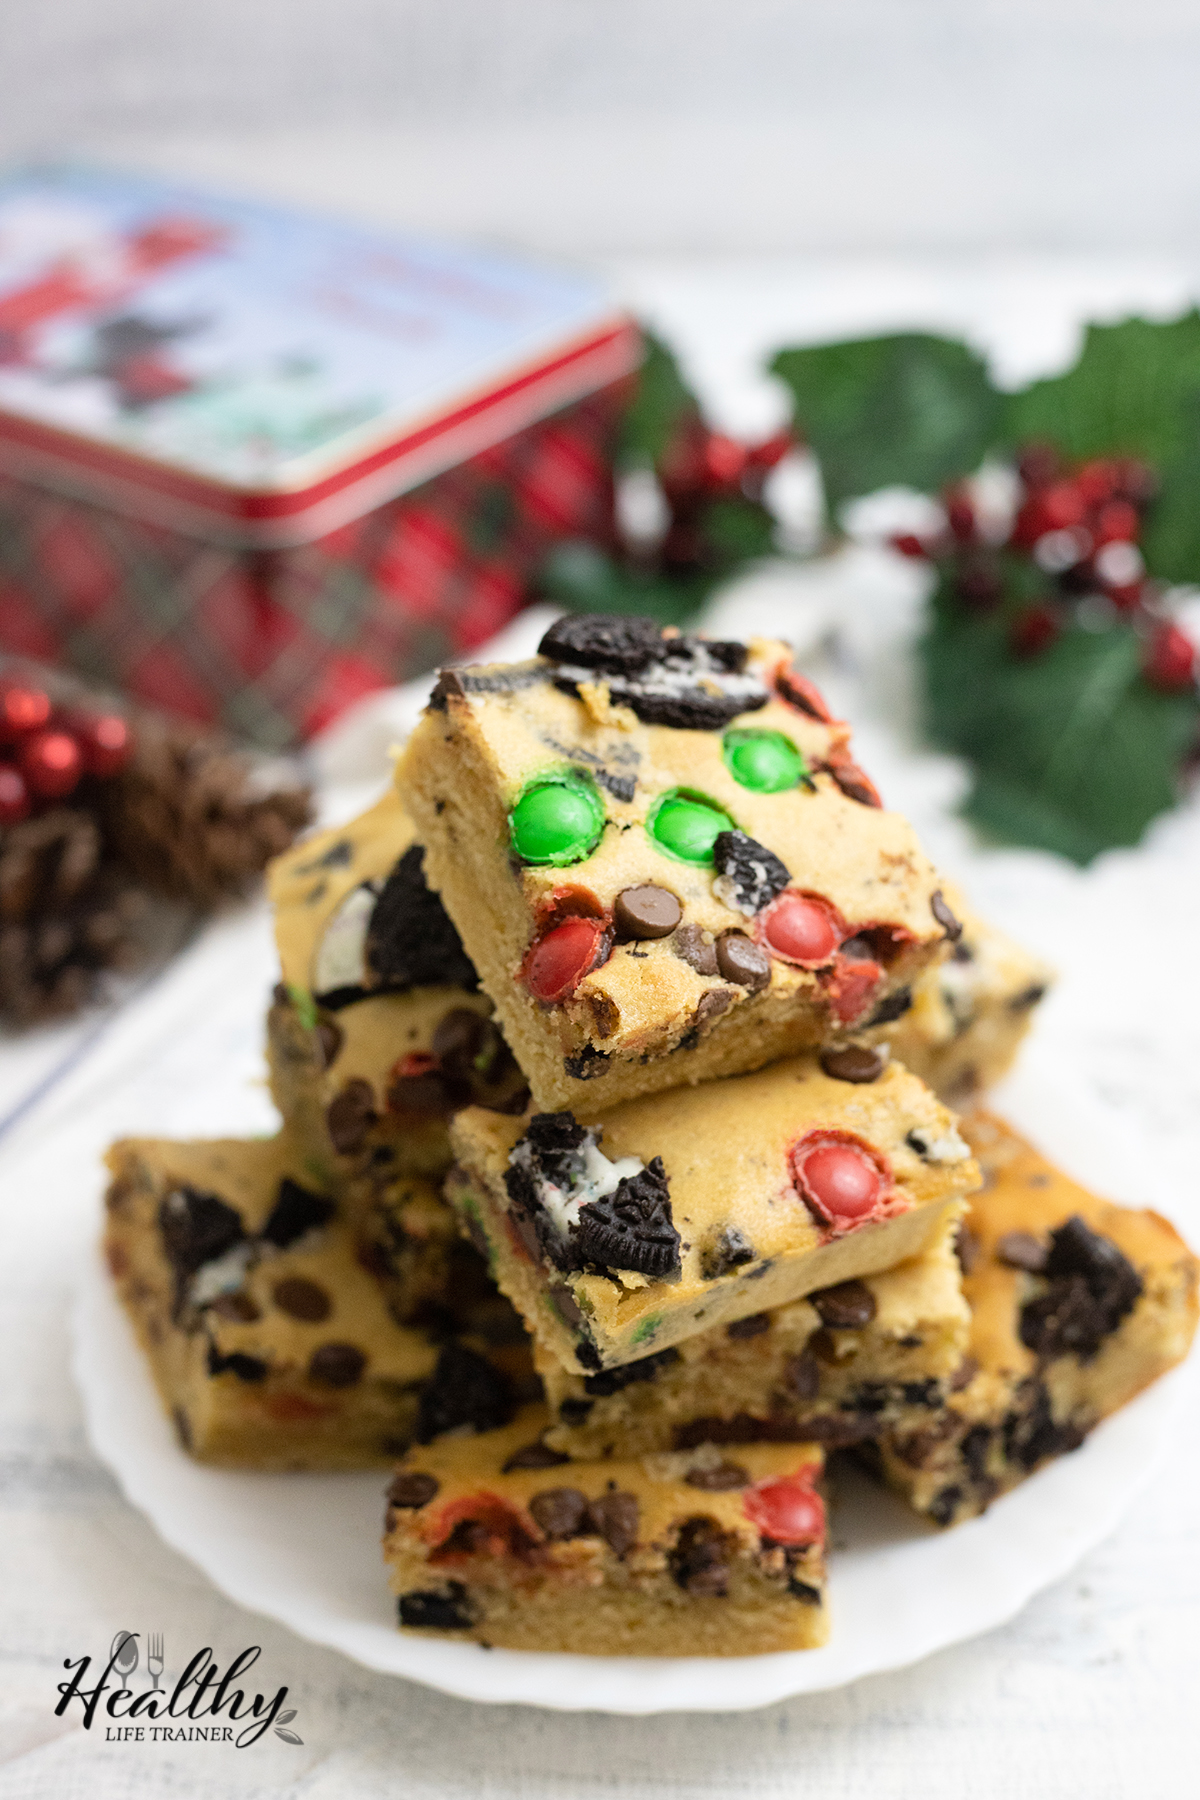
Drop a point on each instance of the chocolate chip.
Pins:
(967, 1247)
(804, 1592)
(722, 1479)
(892, 1007)
(631, 1228)
(410, 940)
(336, 1365)
(438, 1609)
(448, 685)
(614, 644)
(731, 1249)
(196, 1228)
(846, 1307)
(329, 1037)
(302, 1299)
(802, 1376)
(296, 1210)
(693, 948)
(566, 1305)
(586, 1064)
(1021, 1250)
(748, 875)
(457, 1038)
(945, 918)
(464, 1389)
(855, 1063)
(699, 1561)
(537, 1455)
(711, 1005)
(247, 1368)
(412, 1487)
(238, 1307)
(752, 1327)
(740, 959)
(615, 1517)
(645, 912)
(350, 1115)
(612, 1381)
(964, 1375)
(560, 1512)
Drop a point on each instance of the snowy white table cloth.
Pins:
(1091, 1691)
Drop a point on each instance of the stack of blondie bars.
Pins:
(619, 1185)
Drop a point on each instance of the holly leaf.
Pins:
(910, 410)
(1132, 392)
(662, 402)
(1072, 750)
(583, 578)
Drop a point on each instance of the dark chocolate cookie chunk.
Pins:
(855, 1063)
(892, 1007)
(729, 1251)
(614, 1517)
(337, 1365)
(611, 1381)
(560, 1512)
(438, 1609)
(587, 1064)
(296, 1210)
(196, 1228)
(848, 1306)
(1091, 1286)
(612, 644)
(699, 1561)
(410, 940)
(247, 1368)
(464, 1389)
(748, 875)
(632, 1227)
(350, 1115)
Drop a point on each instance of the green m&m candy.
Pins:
(685, 825)
(557, 820)
(767, 762)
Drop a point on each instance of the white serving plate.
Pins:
(304, 1549)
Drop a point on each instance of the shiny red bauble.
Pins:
(22, 710)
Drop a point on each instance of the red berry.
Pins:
(557, 962)
(1098, 481)
(770, 451)
(52, 763)
(1038, 465)
(802, 928)
(960, 516)
(106, 742)
(1116, 521)
(1136, 481)
(1033, 631)
(22, 709)
(1062, 505)
(1171, 659)
(905, 544)
(840, 1179)
(789, 1509)
(15, 803)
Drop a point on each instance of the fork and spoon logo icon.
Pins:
(124, 1653)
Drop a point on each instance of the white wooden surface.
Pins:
(1091, 1692)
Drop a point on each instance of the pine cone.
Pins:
(65, 918)
(194, 819)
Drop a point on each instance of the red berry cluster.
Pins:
(701, 467)
(1076, 530)
(45, 753)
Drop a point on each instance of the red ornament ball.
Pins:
(52, 763)
(22, 709)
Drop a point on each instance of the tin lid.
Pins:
(256, 374)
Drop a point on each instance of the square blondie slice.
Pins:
(662, 860)
(1077, 1305)
(834, 1368)
(969, 1012)
(694, 1554)
(687, 1211)
(271, 1345)
(377, 1031)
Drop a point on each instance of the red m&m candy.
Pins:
(788, 1510)
(557, 962)
(840, 1179)
(802, 928)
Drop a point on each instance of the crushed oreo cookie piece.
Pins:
(1031, 1432)
(699, 1561)
(892, 1007)
(437, 1609)
(613, 644)
(612, 1381)
(728, 1252)
(410, 941)
(687, 683)
(295, 1211)
(464, 1389)
(586, 1064)
(251, 1369)
(447, 686)
(748, 875)
(196, 1228)
(632, 1228)
(1091, 1287)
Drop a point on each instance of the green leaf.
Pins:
(660, 405)
(1131, 393)
(910, 410)
(1072, 750)
(582, 578)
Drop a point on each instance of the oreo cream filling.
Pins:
(592, 1176)
(341, 959)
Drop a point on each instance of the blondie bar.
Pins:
(694, 1554)
(662, 860)
(272, 1346)
(377, 1031)
(834, 1368)
(1076, 1306)
(687, 1211)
